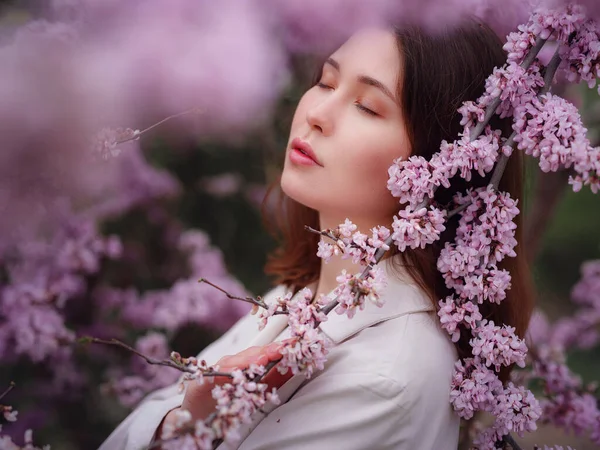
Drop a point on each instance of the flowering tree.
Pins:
(46, 277)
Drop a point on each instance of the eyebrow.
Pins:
(365, 79)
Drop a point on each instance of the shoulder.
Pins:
(407, 353)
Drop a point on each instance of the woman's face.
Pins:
(353, 123)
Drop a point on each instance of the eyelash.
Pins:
(358, 105)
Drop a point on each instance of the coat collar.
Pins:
(401, 296)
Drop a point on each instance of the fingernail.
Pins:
(274, 347)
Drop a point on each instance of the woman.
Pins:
(382, 95)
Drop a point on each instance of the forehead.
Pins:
(371, 52)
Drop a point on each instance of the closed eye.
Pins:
(324, 86)
(358, 105)
(366, 110)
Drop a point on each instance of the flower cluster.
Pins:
(415, 180)
(477, 388)
(543, 23)
(485, 236)
(350, 243)
(237, 401)
(550, 128)
(513, 84)
(546, 127)
(354, 291)
(414, 229)
(580, 55)
(307, 349)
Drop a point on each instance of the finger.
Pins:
(225, 360)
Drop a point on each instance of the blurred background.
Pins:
(113, 247)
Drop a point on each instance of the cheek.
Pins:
(369, 168)
(370, 163)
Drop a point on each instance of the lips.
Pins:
(305, 148)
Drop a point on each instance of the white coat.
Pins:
(385, 385)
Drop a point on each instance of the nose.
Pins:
(319, 118)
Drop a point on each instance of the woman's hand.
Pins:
(198, 398)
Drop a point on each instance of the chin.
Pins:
(299, 191)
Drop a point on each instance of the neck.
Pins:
(330, 271)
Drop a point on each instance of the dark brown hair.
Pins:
(439, 73)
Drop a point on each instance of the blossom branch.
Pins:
(550, 71)
(138, 133)
(105, 143)
(176, 362)
(490, 111)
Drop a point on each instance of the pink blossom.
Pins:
(106, 143)
(542, 23)
(473, 388)
(547, 128)
(414, 229)
(452, 316)
(498, 345)
(411, 180)
(465, 156)
(580, 54)
(353, 291)
(490, 285)
(378, 238)
(325, 251)
(514, 85)
(516, 410)
(587, 167)
(279, 305)
(347, 228)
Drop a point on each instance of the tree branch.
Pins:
(508, 439)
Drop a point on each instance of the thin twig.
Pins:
(253, 301)
(549, 72)
(320, 232)
(458, 209)
(150, 360)
(502, 162)
(173, 116)
(10, 387)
